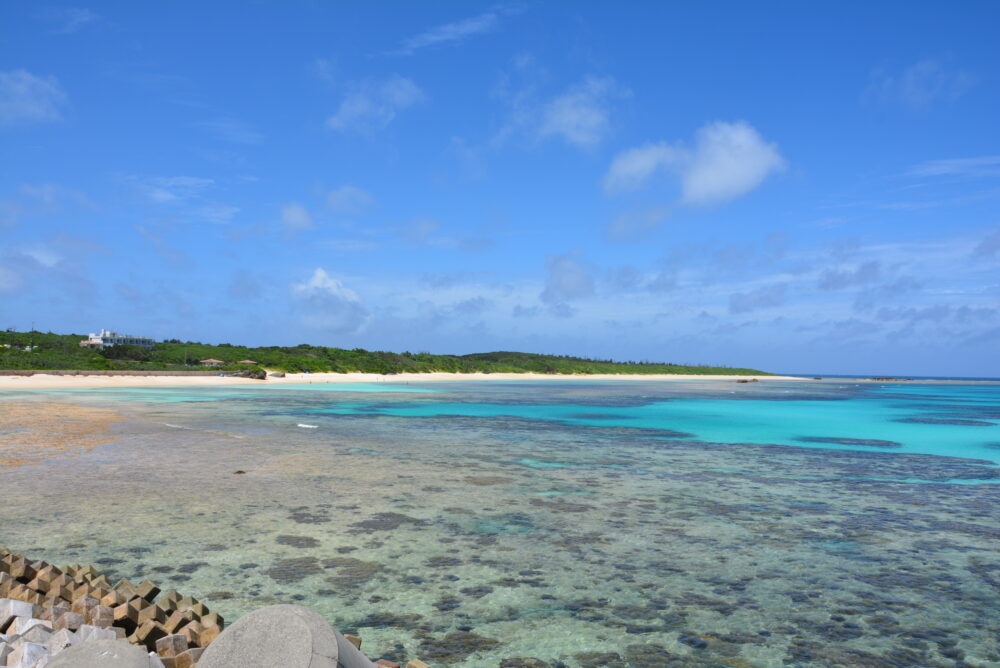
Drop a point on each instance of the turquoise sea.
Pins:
(555, 523)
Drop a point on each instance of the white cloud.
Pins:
(728, 160)
(70, 19)
(25, 98)
(581, 115)
(767, 296)
(633, 167)
(45, 257)
(568, 279)
(217, 213)
(420, 232)
(326, 304)
(372, 105)
(349, 200)
(989, 247)
(920, 85)
(170, 189)
(51, 197)
(428, 232)
(838, 279)
(987, 165)
(451, 32)
(633, 224)
(296, 217)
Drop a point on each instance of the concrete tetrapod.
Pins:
(101, 654)
(290, 636)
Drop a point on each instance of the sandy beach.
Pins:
(43, 381)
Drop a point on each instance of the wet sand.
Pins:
(31, 433)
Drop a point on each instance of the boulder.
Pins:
(290, 636)
(101, 654)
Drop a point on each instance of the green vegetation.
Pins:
(63, 351)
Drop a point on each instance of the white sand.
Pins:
(42, 381)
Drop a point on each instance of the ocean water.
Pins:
(560, 523)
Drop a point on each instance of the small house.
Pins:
(211, 362)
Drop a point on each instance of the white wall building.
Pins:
(106, 338)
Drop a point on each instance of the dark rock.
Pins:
(387, 522)
(693, 641)
(953, 421)
(867, 442)
(297, 541)
(304, 516)
(601, 660)
(293, 570)
(454, 647)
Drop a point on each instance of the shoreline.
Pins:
(41, 380)
(48, 381)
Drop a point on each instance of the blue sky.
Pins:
(801, 187)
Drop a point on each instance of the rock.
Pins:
(188, 658)
(101, 654)
(172, 645)
(22, 625)
(417, 663)
(151, 613)
(276, 374)
(60, 640)
(147, 634)
(354, 640)
(10, 608)
(147, 590)
(84, 604)
(290, 636)
(100, 615)
(26, 654)
(208, 635)
(38, 634)
(89, 632)
(213, 619)
(53, 611)
(386, 663)
(68, 620)
(114, 598)
(178, 619)
(191, 631)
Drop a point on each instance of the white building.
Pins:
(106, 338)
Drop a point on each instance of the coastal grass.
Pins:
(47, 351)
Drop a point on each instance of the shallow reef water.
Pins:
(557, 523)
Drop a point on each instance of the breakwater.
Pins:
(82, 601)
(46, 610)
